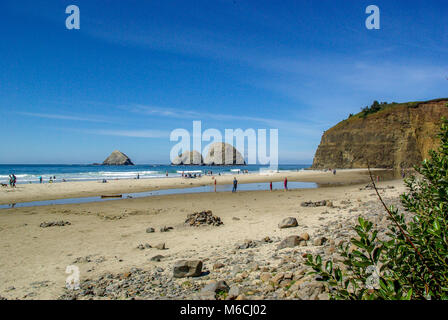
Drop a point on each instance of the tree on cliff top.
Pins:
(412, 261)
(374, 108)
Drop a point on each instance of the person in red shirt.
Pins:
(270, 185)
(286, 184)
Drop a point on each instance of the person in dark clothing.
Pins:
(270, 185)
(286, 184)
(235, 184)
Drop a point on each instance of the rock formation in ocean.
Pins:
(221, 153)
(117, 158)
(396, 135)
(188, 158)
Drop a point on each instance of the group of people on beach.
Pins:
(13, 180)
(285, 184)
(191, 175)
(235, 184)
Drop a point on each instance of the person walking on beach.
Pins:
(270, 185)
(334, 171)
(215, 185)
(235, 184)
(286, 184)
(10, 181)
(14, 180)
(138, 176)
(40, 179)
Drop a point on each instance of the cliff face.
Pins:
(398, 136)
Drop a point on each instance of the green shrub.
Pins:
(412, 262)
(374, 108)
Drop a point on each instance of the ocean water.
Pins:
(31, 173)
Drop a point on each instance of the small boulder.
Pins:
(320, 241)
(265, 276)
(277, 278)
(288, 223)
(160, 246)
(187, 268)
(247, 244)
(165, 229)
(216, 287)
(289, 242)
(305, 236)
(157, 258)
(150, 230)
(234, 292)
(218, 265)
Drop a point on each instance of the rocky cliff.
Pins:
(397, 135)
(221, 153)
(188, 158)
(118, 158)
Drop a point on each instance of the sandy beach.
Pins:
(61, 190)
(104, 237)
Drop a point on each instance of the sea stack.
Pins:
(117, 158)
(220, 154)
(396, 135)
(188, 158)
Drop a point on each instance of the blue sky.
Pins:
(138, 69)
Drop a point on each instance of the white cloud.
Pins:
(129, 133)
(298, 126)
(62, 117)
(121, 132)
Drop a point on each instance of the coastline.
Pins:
(79, 189)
